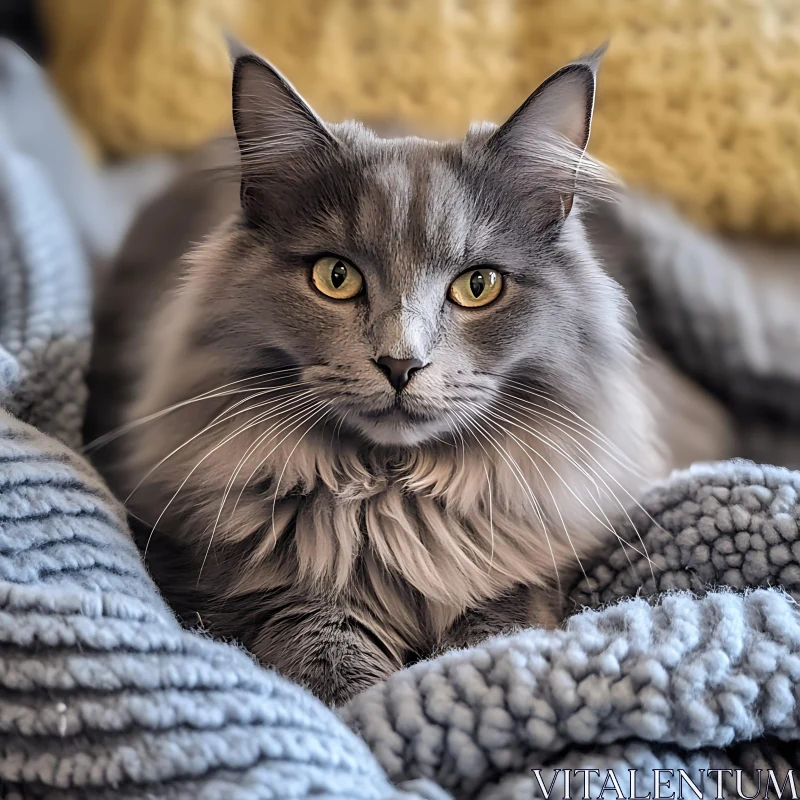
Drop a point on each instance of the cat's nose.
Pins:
(398, 371)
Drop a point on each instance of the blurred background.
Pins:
(699, 100)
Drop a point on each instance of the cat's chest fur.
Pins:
(404, 544)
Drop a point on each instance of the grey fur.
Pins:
(347, 544)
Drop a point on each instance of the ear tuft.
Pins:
(593, 59)
(235, 46)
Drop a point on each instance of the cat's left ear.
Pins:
(550, 130)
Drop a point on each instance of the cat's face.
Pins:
(410, 279)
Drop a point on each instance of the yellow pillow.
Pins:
(699, 100)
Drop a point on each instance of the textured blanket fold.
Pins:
(637, 685)
(103, 694)
(689, 673)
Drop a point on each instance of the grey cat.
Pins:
(391, 399)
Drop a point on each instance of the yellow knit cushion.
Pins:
(699, 99)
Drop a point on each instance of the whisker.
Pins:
(491, 517)
(110, 436)
(225, 413)
(503, 430)
(216, 421)
(562, 451)
(581, 422)
(520, 478)
(326, 411)
(254, 446)
(595, 439)
(303, 419)
(613, 478)
(250, 450)
(607, 524)
(250, 424)
(337, 428)
(512, 401)
(280, 425)
(456, 429)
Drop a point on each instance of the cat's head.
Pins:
(411, 280)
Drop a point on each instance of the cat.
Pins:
(374, 389)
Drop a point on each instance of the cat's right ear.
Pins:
(280, 137)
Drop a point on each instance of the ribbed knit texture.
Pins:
(699, 100)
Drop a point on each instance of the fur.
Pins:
(348, 530)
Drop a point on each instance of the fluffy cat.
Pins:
(392, 388)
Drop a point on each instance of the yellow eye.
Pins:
(336, 278)
(475, 288)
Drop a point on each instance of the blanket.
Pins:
(103, 694)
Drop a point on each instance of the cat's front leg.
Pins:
(520, 608)
(320, 643)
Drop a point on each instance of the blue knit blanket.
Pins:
(103, 694)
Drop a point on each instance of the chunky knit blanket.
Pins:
(103, 694)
